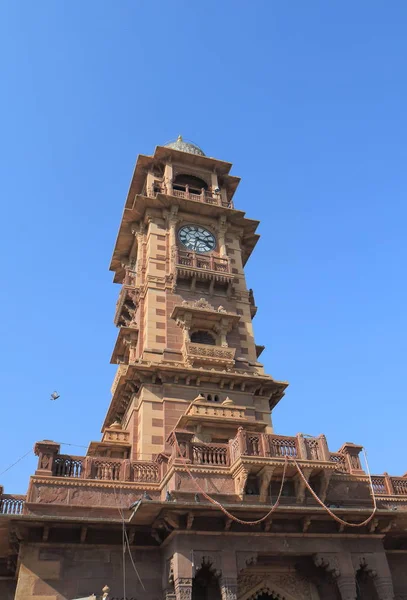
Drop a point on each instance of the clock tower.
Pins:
(190, 494)
(184, 312)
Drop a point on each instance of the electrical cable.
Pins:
(16, 463)
(126, 537)
(274, 507)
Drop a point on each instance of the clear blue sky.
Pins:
(307, 99)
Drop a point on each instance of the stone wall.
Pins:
(63, 573)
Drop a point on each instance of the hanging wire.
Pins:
(15, 463)
(126, 539)
(274, 507)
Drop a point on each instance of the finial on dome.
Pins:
(184, 146)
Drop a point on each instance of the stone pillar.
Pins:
(182, 566)
(340, 566)
(228, 580)
(347, 587)
(183, 588)
(376, 565)
(168, 177)
(352, 451)
(323, 445)
(384, 588)
(301, 447)
(228, 586)
(222, 228)
(46, 451)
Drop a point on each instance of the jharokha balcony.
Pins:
(248, 469)
(208, 355)
(217, 198)
(191, 264)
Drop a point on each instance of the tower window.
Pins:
(203, 337)
(195, 184)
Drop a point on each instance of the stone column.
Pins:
(222, 228)
(46, 452)
(340, 566)
(228, 586)
(228, 580)
(376, 565)
(347, 587)
(384, 588)
(183, 588)
(182, 565)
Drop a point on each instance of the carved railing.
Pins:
(384, 485)
(68, 466)
(205, 196)
(109, 470)
(269, 445)
(209, 409)
(379, 485)
(11, 504)
(116, 435)
(210, 454)
(339, 460)
(195, 260)
(105, 469)
(145, 472)
(194, 352)
(282, 446)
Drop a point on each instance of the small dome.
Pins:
(182, 146)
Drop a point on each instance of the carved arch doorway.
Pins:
(275, 588)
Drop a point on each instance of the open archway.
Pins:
(205, 584)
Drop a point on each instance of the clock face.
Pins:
(197, 238)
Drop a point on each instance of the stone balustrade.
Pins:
(195, 260)
(99, 468)
(184, 191)
(258, 447)
(208, 354)
(11, 504)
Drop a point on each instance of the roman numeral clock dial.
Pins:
(196, 238)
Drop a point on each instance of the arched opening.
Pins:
(266, 596)
(205, 585)
(203, 337)
(195, 184)
(365, 587)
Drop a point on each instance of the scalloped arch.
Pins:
(268, 587)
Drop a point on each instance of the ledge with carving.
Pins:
(191, 265)
(202, 411)
(127, 302)
(130, 378)
(124, 351)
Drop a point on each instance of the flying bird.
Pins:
(54, 396)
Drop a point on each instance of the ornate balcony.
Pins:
(191, 264)
(187, 193)
(207, 354)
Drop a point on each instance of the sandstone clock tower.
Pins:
(184, 312)
(177, 501)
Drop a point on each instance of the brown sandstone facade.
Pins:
(190, 416)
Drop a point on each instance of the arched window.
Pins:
(195, 184)
(205, 584)
(203, 337)
(209, 397)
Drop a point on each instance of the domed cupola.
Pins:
(183, 146)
